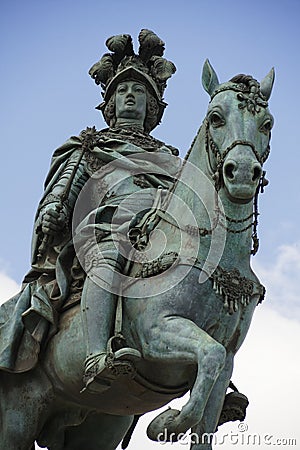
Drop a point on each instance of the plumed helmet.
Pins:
(148, 67)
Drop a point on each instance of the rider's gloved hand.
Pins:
(54, 220)
(52, 225)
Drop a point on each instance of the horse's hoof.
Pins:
(159, 429)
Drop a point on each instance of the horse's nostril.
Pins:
(229, 168)
(256, 173)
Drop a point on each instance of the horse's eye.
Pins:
(216, 120)
(266, 127)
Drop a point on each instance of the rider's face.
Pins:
(131, 101)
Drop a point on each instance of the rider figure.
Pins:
(133, 87)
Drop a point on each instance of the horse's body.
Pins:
(187, 331)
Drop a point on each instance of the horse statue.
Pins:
(188, 302)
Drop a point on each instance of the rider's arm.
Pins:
(56, 209)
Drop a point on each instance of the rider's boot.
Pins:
(102, 366)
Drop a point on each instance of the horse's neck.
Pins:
(237, 250)
(197, 191)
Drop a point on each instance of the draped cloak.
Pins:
(34, 311)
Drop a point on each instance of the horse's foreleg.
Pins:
(178, 340)
(203, 433)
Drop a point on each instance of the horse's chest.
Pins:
(223, 309)
(202, 303)
(228, 328)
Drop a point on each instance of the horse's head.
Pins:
(238, 130)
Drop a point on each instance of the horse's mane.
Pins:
(243, 79)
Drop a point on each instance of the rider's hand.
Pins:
(53, 220)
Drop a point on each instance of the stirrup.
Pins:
(122, 361)
(102, 369)
(119, 355)
(94, 365)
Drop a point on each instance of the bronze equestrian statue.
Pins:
(141, 287)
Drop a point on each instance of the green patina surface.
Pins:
(141, 286)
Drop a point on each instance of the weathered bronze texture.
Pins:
(141, 287)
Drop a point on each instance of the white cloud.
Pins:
(281, 278)
(267, 368)
(8, 287)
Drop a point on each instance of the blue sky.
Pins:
(47, 95)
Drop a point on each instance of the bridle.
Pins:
(220, 157)
(253, 101)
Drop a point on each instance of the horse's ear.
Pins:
(266, 84)
(209, 78)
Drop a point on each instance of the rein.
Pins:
(211, 147)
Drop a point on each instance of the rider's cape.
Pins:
(21, 329)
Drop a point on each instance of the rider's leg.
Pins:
(99, 298)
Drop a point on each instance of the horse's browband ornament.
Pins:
(249, 94)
